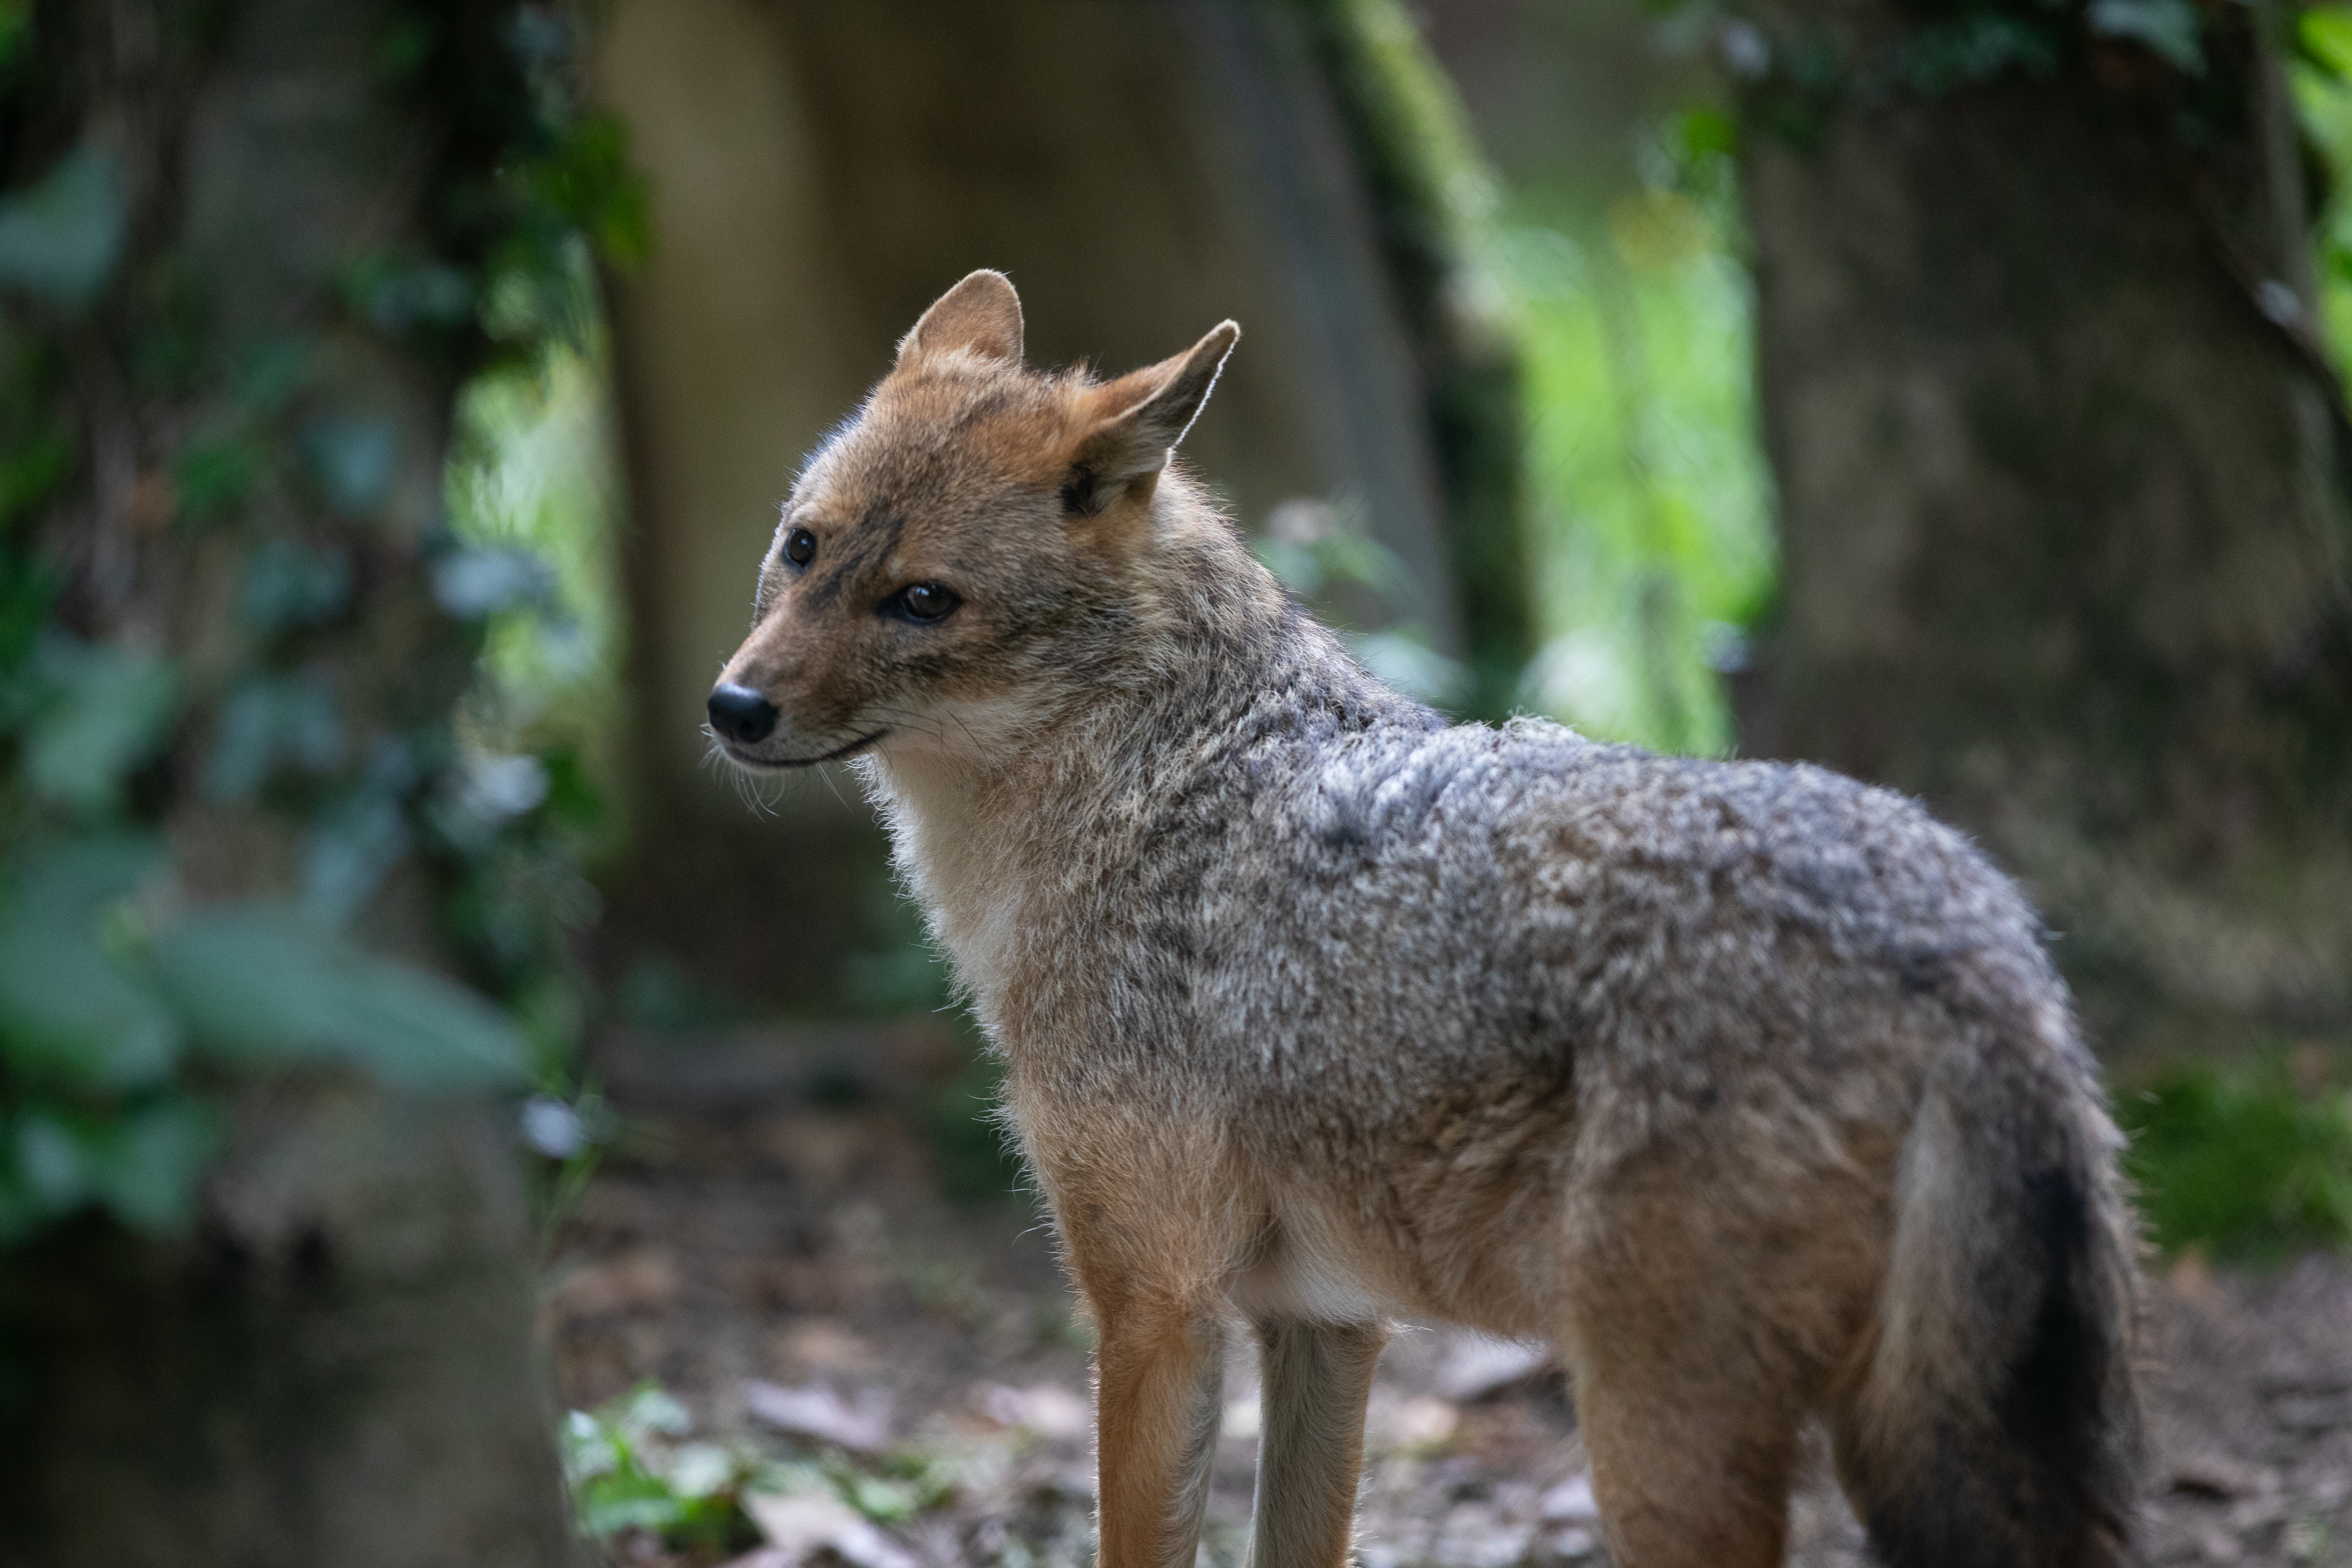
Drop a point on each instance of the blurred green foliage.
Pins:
(631, 1467)
(1433, 198)
(127, 1007)
(1650, 500)
(2242, 1161)
(533, 488)
(2321, 75)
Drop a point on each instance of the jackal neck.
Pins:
(1009, 844)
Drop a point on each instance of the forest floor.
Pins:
(771, 1243)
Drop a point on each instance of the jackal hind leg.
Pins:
(1692, 1393)
(1159, 1377)
(1315, 1380)
(1682, 1480)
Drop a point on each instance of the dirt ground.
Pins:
(770, 1243)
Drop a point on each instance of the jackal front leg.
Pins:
(1160, 1380)
(1315, 1380)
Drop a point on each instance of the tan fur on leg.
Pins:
(1315, 1380)
(1159, 1373)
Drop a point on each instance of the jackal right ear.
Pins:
(1140, 418)
(982, 315)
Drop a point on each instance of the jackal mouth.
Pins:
(742, 758)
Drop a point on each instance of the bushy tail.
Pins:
(1996, 1422)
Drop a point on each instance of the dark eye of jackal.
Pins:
(922, 602)
(800, 547)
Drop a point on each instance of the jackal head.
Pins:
(958, 559)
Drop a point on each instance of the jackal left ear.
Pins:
(981, 314)
(1140, 418)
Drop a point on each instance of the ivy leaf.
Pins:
(48, 1163)
(268, 722)
(354, 459)
(210, 476)
(68, 1007)
(106, 709)
(397, 295)
(60, 238)
(258, 985)
(34, 461)
(588, 179)
(1978, 47)
(2167, 27)
(479, 580)
(352, 851)
(289, 583)
(144, 1165)
(147, 1166)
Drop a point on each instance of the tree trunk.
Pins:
(820, 173)
(337, 1368)
(2060, 500)
(334, 1363)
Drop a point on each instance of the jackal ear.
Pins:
(982, 314)
(1139, 419)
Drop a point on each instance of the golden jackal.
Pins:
(1748, 1088)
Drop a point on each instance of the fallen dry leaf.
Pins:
(817, 1411)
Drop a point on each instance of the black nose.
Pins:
(742, 715)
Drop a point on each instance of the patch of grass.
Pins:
(2245, 1161)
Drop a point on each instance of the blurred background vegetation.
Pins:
(398, 397)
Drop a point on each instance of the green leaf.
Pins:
(480, 580)
(1705, 132)
(588, 178)
(259, 985)
(354, 459)
(397, 295)
(72, 880)
(68, 1007)
(107, 709)
(651, 1409)
(28, 589)
(638, 1501)
(16, 23)
(589, 1450)
(350, 851)
(144, 1165)
(210, 476)
(290, 582)
(2326, 33)
(49, 1163)
(269, 721)
(60, 238)
(1977, 46)
(30, 468)
(147, 1166)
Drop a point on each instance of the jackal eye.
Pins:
(800, 547)
(923, 602)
